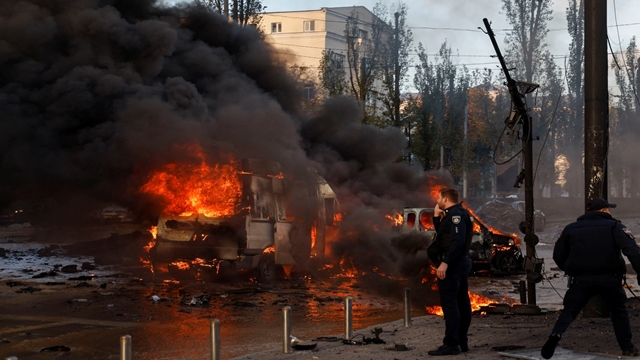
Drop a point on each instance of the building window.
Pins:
(276, 27)
(309, 25)
(363, 34)
(309, 91)
(337, 60)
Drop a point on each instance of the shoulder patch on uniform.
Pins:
(456, 219)
(629, 233)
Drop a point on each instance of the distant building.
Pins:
(300, 37)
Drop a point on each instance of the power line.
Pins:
(436, 28)
(631, 82)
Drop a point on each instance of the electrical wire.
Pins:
(631, 82)
(544, 273)
(495, 148)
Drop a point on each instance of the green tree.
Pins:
(331, 73)
(441, 114)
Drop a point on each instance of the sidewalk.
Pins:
(490, 336)
(426, 334)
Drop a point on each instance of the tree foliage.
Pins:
(332, 74)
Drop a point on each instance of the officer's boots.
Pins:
(550, 346)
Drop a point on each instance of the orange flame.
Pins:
(435, 191)
(154, 233)
(477, 301)
(397, 219)
(189, 188)
(435, 310)
(181, 265)
(314, 230)
(337, 217)
(348, 269)
(476, 226)
(271, 249)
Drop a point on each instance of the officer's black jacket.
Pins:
(592, 245)
(456, 223)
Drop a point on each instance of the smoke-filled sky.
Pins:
(456, 22)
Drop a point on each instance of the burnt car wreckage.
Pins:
(509, 217)
(490, 250)
(278, 222)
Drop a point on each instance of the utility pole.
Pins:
(396, 64)
(596, 114)
(520, 116)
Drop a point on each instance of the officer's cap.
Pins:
(599, 203)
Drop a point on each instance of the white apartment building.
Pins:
(301, 36)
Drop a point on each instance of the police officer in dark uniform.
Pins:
(588, 250)
(454, 232)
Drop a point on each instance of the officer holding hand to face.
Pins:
(454, 231)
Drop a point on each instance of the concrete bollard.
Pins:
(286, 340)
(407, 307)
(348, 318)
(215, 339)
(523, 292)
(125, 347)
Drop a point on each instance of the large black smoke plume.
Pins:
(96, 94)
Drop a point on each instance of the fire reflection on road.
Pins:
(251, 316)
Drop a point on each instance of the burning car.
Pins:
(490, 249)
(260, 220)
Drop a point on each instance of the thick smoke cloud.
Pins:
(96, 94)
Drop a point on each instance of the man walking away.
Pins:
(588, 250)
(454, 231)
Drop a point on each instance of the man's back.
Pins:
(592, 245)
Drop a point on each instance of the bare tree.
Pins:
(244, 12)
(364, 57)
(394, 66)
(525, 44)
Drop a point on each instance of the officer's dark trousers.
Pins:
(454, 298)
(610, 288)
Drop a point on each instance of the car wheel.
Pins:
(506, 262)
(267, 268)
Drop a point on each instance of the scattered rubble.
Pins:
(196, 300)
